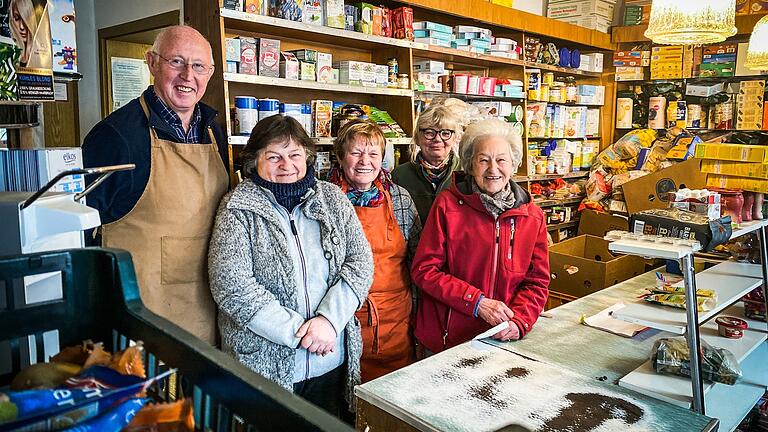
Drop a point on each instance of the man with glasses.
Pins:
(163, 211)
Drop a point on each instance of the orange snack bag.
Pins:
(164, 417)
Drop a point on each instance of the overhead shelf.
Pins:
(489, 14)
(469, 96)
(436, 52)
(314, 85)
(744, 26)
(730, 280)
(562, 225)
(562, 70)
(243, 140)
(677, 390)
(558, 202)
(283, 28)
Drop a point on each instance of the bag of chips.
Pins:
(671, 356)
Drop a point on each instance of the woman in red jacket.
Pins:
(483, 255)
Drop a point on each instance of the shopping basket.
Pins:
(101, 302)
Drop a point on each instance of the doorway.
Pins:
(121, 54)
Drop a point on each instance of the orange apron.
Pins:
(168, 229)
(386, 313)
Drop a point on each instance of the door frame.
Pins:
(119, 31)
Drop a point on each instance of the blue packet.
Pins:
(114, 420)
(92, 392)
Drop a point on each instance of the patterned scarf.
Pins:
(435, 174)
(497, 203)
(372, 197)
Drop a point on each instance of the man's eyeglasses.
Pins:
(178, 63)
(430, 134)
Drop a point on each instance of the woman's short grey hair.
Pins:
(476, 132)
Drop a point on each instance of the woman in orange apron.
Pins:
(392, 226)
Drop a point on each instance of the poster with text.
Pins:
(63, 43)
(26, 23)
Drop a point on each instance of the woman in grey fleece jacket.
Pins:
(289, 265)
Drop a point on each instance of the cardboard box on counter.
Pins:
(583, 265)
(598, 224)
(651, 191)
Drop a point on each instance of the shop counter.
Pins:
(562, 375)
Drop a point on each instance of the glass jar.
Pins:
(403, 82)
(571, 90)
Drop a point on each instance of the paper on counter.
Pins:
(604, 321)
(493, 331)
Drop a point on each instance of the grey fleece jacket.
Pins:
(254, 275)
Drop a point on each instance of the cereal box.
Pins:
(249, 56)
(364, 22)
(402, 23)
(269, 57)
(322, 116)
(334, 13)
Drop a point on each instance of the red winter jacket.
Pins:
(464, 252)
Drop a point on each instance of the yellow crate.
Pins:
(732, 152)
(738, 169)
(728, 182)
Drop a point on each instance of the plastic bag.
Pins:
(671, 356)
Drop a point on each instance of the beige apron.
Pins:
(167, 232)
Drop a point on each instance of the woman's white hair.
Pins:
(483, 129)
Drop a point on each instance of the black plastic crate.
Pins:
(101, 302)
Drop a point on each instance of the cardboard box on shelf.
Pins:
(732, 152)
(738, 169)
(631, 73)
(651, 191)
(731, 182)
(582, 265)
(593, 22)
(559, 9)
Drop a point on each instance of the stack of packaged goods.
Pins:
(591, 14)
(717, 61)
(361, 17)
(734, 166)
(667, 61)
(472, 39)
(505, 47)
(750, 105)
(428, 74)
(630, 64)
(432, 33)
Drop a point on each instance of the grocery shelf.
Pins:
(562, 70)
(243, 140)
(468, 96)
(730, 280)
(283, 28)
(677, 390)
(558, 202)
(466, 58)
(314, 85)
(747, 227)
(538, 177)
(563, 225)
(559, 138)
(567, 103)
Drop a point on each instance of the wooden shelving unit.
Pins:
(218, 23)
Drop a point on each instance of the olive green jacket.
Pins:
(409, 176)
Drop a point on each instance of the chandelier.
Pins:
(757, 53)
(689, 22)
